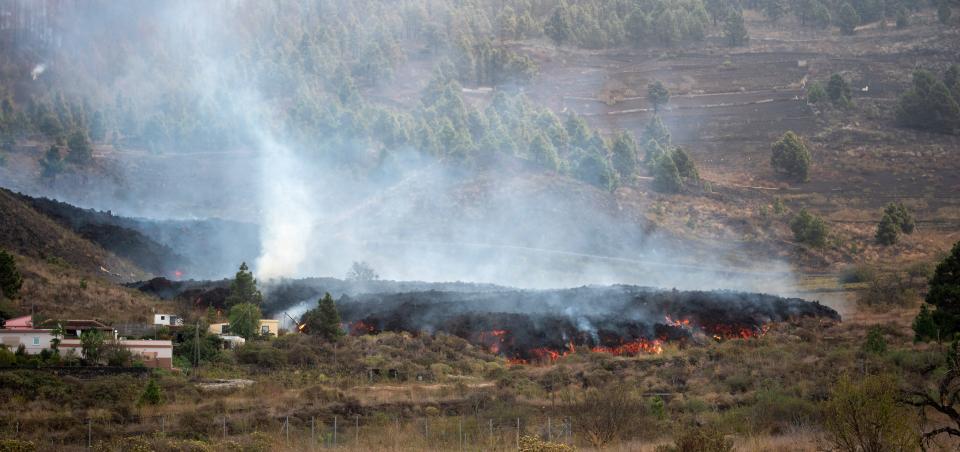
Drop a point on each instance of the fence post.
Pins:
(224, 425)
(313, 440)
(549, 429)
(286, 426)
(89, 433)
(518, 433)
(334, 431)
(460, 432)
(357, 428)
(491, 429)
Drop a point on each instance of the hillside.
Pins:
(25, 231)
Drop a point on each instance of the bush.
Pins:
(534, 444)
(699, 439)
(809, 229)
(863, 414)
(816, 93)
(889, 289)
(608, 414)
(16, 445)
(151, 394)
(858, 274)
(875, 343)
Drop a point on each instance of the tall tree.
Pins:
(735, 31)
(838, 90)
(658, 95)
(10, 279)
(625, 154)
(666, 176)
(245, 320)
(243, 289)
(928, 105)
(81, 152)
(790, 157)
(324, 320)
(848, 19)
(558, 27)
(944, 291)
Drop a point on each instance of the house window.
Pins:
(264, 329)
(163, 317)
(36, 340)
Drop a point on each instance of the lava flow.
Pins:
(545, 326)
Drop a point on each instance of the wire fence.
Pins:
(297, 432)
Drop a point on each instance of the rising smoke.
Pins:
(408, 214)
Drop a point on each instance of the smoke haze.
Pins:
(322, 202)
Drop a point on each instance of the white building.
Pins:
(167, 320)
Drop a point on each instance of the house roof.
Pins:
(17, 323)
(78, 324)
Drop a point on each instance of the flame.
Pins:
(632, 348)
(493, 339)
(360, 328)
(177, 274)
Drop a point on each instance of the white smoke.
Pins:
(38, 70)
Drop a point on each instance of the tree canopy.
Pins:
(790, 157)
(245, 320)
(243, 289)
(929, 104)
(324, 320)
(10, 278)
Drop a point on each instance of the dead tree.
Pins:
(946, 398)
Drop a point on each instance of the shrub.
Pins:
(16, 445)
(863, 414)
(858, 274)
(889, 289)
(809, 229)
(534, 444)
(875, 343)
(151, 394)
(816, 93)
(608, 414)
(10, 278)
(698, 439)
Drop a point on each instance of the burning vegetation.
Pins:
(544, 326)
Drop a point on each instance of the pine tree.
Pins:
(10, 278)
(944, 12)
(52, 163)
(735, 31)
(839, 91)
(151, 394)
(324, 320)
(888, 231)
(544, 153)
(847, 19)
(666, 176)
(929, 105)
(81, 152)
(656, 130)
(685, 166)
(243, 289)
(816, 93)
(944, 290)
(809, 229)
(244, 320)
(658, 95)
(790, 157)
(625, 155)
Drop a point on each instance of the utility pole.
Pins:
(196, 347)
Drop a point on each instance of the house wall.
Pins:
(33, 339)
(152, 353)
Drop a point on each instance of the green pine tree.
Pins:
(10, 279)
(243, 289)
(245, 320)
(324, 320)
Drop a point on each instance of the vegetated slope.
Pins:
(58, 290)
(25, 231)
(161, 247)
(104, 229)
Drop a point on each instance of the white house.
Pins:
(153, 353)
(167, 320)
